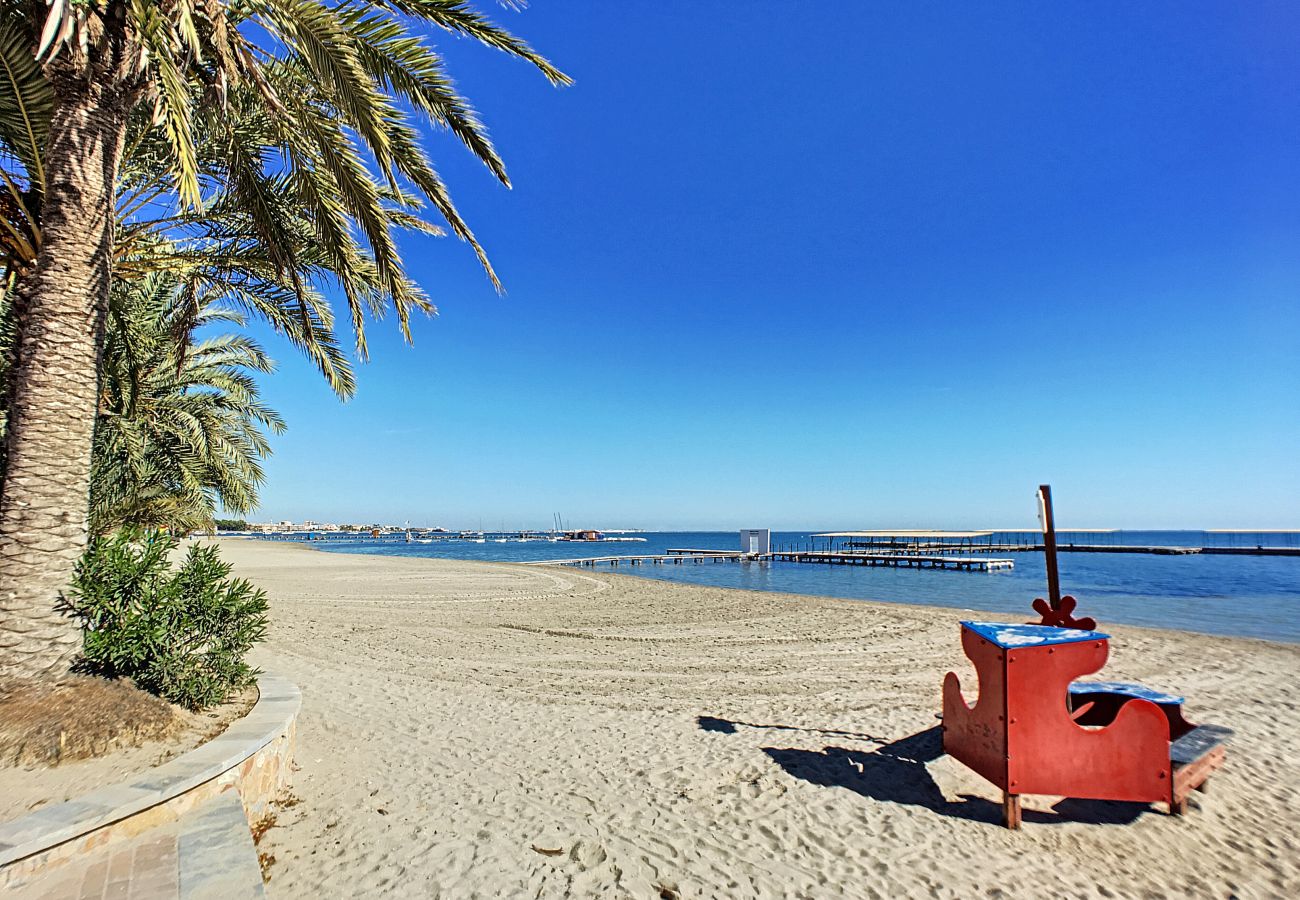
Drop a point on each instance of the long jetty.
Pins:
(681, 556)
(672, 556)
(1001, 540)
(1156, 550)
(894, 560)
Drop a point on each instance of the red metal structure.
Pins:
(1035, 730)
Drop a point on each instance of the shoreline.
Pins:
(489, 729)
(1104, 627)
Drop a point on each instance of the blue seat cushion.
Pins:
(1137, 691)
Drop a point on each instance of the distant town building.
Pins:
(287, 526)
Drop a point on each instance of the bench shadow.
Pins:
(729, 726)
(896, 772)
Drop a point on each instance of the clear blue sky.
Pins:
(847, 264)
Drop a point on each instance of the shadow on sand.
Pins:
(728, 726)
(896, 772)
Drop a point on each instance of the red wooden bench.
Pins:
(1035, 730)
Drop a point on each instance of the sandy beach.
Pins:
(495, 730)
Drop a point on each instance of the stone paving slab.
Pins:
(143, 869)
(218, 860)
(206, 855)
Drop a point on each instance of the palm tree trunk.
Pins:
(44, 497)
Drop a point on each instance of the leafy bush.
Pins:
(181, 634)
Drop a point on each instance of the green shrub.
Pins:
(182, 633)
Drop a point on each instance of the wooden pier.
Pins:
(895, 560)
(673, 557)
(1011, 540)
(890, 560)
(1154, 550)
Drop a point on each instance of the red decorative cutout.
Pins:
(1061, 617)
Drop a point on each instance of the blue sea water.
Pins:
(1246, 596)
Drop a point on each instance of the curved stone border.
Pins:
(252, 756)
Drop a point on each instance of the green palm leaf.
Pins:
(26, 101)
(182, 428)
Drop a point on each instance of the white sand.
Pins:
(461, 718)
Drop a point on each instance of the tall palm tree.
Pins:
(329, 87)
(218, 248)
(215, 255)
(179, 428)
(180, 425)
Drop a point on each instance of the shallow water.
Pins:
(1246, 596)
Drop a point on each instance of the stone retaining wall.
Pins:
(253, 756)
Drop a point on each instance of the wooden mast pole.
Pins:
(1049, 544)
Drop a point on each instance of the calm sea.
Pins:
(1248, 596)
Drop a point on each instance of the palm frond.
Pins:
(459, 17)
(402, 64)
(181, 428)
(158, 37)
(26, 103)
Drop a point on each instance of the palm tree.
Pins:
(180, 424)
(215, 255)
(298, 97)
(217, 248)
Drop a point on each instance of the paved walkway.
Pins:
(143, 869)
(207, 855)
